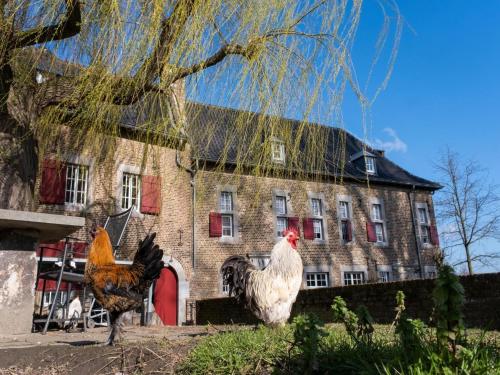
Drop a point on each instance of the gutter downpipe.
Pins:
(192, 172)
(417, 242)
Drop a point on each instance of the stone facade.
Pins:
(196, 264)
(256, 228)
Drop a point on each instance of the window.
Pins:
(354, 278)
(317, 280)
(424, 223)
(431, 274)
(225, 288)
(317, 220)
(384, 276)
(260, 261)
(76, 184)
(130, 190)
(378, 222)
(280, 209)
(345, 220)
(226, 209)
(49, 298)
(370, 164)
(278, 151)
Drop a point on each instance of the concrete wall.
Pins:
(482, 294)
(17, 280)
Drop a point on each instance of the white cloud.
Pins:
(393, 144)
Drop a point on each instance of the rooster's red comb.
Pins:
(292, 230)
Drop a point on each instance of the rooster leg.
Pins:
(116, 320)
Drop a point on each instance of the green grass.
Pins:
(266, 350)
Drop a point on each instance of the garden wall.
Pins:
(482, 308)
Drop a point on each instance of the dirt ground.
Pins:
(144, 350)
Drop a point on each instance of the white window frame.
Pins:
(318, 218)
(74, 191)
(346, 270)
(430, 272)
(317, 269)
(420, 224)
(278, 151)
(349, 275)
(234, 237)
(281, 215)
(348, 200)
(49, 296)
(379, 221)
(314, 279)
(260, 260)
(129, 196)
(371, 168)
(386, 270)
(227, 212)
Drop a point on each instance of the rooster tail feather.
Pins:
(150, 257)
(235, 271)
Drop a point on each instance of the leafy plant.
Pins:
(448, 296)
(307, 333)
(358, 325)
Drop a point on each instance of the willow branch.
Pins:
(67, 28)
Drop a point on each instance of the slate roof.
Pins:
(211, 132)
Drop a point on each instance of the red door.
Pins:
(165, 297)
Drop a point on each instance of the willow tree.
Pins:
(115, 53)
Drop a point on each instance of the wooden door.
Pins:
(165, 296)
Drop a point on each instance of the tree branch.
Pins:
(67, 28)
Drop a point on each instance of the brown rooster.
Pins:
(121, 288)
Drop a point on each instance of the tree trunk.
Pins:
(18, 165)
(469, 261)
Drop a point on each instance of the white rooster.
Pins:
(271, 292)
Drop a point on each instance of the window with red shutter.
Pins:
(348, 231)
(150, 195)
(215, 224)
(53, 182)
(370, 232)
(434, 235)
(293, 223)
(308, 225)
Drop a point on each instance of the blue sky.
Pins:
(444, 90)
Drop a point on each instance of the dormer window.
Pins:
(278, 151)
(370, 164)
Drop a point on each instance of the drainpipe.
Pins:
(417, 242)
(192, 172)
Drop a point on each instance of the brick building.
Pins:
(361, 217)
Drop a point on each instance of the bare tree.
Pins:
(116, 53)
(468, 207)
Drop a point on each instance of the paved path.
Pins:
(99, 335)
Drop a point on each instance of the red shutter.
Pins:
(370, 232)
(79, 249)
(349, 230)
(434, 235)
(215, 224)
(308, 228)
(53, 182)
(293, 223)
(150, 195)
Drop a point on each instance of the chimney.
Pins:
(380, 153)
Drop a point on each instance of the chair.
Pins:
(115, 226)
(65, 273)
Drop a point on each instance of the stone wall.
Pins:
(481, 308)
(256, 228)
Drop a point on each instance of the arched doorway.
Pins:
(165, 296)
